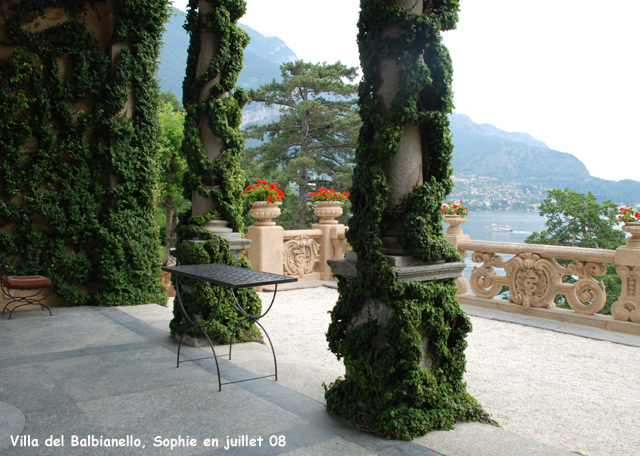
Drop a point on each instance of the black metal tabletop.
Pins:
(228, 276)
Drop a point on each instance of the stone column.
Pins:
(397, 323)
(213, 146)
(404, 172)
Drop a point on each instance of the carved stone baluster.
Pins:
(533, 280)
(627, 307)
(587, 289)
(485, 283)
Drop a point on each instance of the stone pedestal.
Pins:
(266, 249)
(374, 309)
(627, 307)
(455, 236)
(327, 250)
(415, 273)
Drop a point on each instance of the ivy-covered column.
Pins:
(78, 160)
(213, 144)
(213, 141)
(397, 324)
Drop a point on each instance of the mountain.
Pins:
(262, 58)
(489, 151)
(484, 150)
(270, 48)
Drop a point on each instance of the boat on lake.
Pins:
(495, 227)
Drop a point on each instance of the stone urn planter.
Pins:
(633, 228)
(455, 221)
(328, 210)
(264, 211)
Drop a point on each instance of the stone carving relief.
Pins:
(627, 307)
(534, 281)
(485, 282)
(300, 256)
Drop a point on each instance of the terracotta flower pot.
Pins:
(264, 211)
(328, 210)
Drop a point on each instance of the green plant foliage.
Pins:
(172, 165)
(386, 390)
(200, 299)
(223, 115)
(77, 176)
(578, 220)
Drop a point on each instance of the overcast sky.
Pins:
(565, 71)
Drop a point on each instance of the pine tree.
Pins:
(312, 143)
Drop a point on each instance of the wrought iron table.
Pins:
(233, 278)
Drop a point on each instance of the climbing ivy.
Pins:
(200, 299)
(221, 179)
(386, 389)
(78, 172)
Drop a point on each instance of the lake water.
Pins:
(523, 224)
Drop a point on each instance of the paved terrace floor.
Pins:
(110, 373)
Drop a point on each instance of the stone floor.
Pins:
(91, 373)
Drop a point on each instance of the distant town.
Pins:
(483, 193)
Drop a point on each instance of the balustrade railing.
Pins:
(534, 277)
(533, 274)
(299, 253)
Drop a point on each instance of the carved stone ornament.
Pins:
(535, 281)
(300, 256)
(627, 307)
(531, 280)
(485, 282)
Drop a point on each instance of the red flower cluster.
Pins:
(452, 208)
(263, 191)
(328, 195)
(627, 214)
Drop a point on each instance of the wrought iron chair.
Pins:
(11, 284)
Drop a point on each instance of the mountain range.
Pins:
(479, 149)
(484, 150)
(262, 58)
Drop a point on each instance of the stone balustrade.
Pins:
(533, 275)
(299, 253)
(534, 278)
(339, 242)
